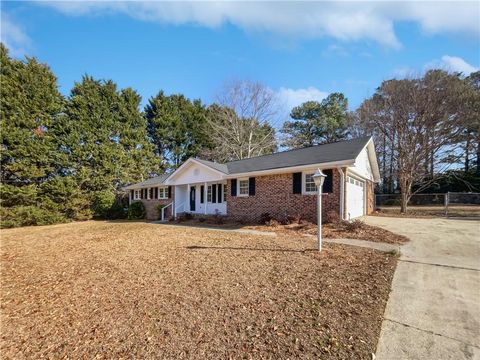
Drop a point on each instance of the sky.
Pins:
(300, 50)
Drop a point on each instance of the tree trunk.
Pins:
(467, 153)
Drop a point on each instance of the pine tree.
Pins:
(177, 128)
(317, 123)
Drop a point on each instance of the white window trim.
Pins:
(304, 183)
(238, 187)
(164, 191)
(209, 192)
(136, 194)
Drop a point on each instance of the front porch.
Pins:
(207, 198)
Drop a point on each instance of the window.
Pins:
(224, 192)
(209, 193)
(136, 195)
(310, 187)
(163, 193)
(243, 187)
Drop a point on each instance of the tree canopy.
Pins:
(317, 123)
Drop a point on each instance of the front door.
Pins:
(192, 198)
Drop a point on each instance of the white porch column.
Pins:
(130, 197)
(205, 202)
(188, 199)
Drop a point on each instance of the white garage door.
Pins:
(355, 198)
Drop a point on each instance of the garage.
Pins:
(355, 197)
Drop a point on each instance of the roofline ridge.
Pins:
(306, 147)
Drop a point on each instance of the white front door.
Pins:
(355, 198)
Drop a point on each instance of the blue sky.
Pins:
(301, 50)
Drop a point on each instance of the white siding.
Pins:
(195, 173)
(362, 165)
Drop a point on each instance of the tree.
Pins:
(177, 127)
(420, 122)
(32, 160)
(240, 122)
(105, 137)
(471, 121)
(317, 123)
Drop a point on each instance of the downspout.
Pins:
(342, 192)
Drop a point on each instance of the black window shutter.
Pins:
(202, 194)
(251, 186)
(219, 193)
(156, 193)
(233, 187)
(328, 183)
(297, 183)
(169, 192)
(132, 194)
(214, 193)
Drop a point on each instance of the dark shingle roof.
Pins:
(217, 166)
(338, 151)
(157, 180)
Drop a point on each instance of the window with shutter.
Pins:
(202, 194)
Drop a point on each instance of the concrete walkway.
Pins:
(434, 308)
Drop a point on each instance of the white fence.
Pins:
(465, 202)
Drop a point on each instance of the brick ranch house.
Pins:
(279, 184)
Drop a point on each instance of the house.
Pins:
(279, 184)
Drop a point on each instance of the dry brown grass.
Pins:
(139, 290)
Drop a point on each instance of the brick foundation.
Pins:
(274, 195)
(151, 208)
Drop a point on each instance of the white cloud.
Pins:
(13, 36)
(342, 20)
(457, 64)
(294, 97)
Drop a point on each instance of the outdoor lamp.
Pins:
(319, 179)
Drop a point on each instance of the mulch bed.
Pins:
(359, 230)
(337, 230)
(143, 290)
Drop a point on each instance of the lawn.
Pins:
(136, 290)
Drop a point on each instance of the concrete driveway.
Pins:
(434, 308)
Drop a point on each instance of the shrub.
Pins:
(202, 219)
(353, 225)
(136, 210)
(331, 217)
(29, 215)
(102, 202)
(117, 211)
(265, 218)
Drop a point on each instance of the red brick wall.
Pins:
(274, 195)
(151, 207)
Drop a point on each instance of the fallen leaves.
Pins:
(139, 290)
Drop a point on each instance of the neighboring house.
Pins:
(279, 184)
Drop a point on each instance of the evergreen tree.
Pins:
(317, 123)
(31, 157)
(177, 127)
(106, 137)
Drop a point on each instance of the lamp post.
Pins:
(319, 178)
